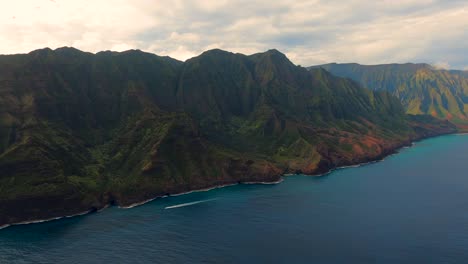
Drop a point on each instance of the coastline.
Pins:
(362, 164)
(200, 190)
(331, 170)
(175, 194)
(50, 219)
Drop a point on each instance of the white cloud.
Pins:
(442, 65)
(180, 52)
(308, 31)
(184, 37)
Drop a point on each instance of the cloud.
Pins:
(308, 31)
(442, 65)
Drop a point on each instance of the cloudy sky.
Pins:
(309, 32)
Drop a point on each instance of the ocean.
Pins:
(410, 208)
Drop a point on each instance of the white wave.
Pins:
(203, 190)
(188, 204)
(267, 183)
(45, 220)
(140, 203)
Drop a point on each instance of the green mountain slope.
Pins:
(79, 131)
(421, 88)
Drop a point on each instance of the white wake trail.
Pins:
(188, 204)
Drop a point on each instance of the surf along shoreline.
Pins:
(380, 158)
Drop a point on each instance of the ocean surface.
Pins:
(410, 208)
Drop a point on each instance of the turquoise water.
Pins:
(410, 208)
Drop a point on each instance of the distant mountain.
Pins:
(79, 131)
(421, 88)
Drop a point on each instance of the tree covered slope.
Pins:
(421, 88)
(79, 131)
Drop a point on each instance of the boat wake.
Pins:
(188, 204)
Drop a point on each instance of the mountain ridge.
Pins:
(80, 131)
(422, 88)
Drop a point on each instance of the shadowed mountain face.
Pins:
(421, 88)
(79, 131)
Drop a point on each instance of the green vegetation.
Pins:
(421, 88)
(79, 131)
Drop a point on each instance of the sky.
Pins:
(308, 32)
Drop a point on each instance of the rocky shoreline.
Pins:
(278, 179)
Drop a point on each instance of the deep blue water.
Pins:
(410, 208)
